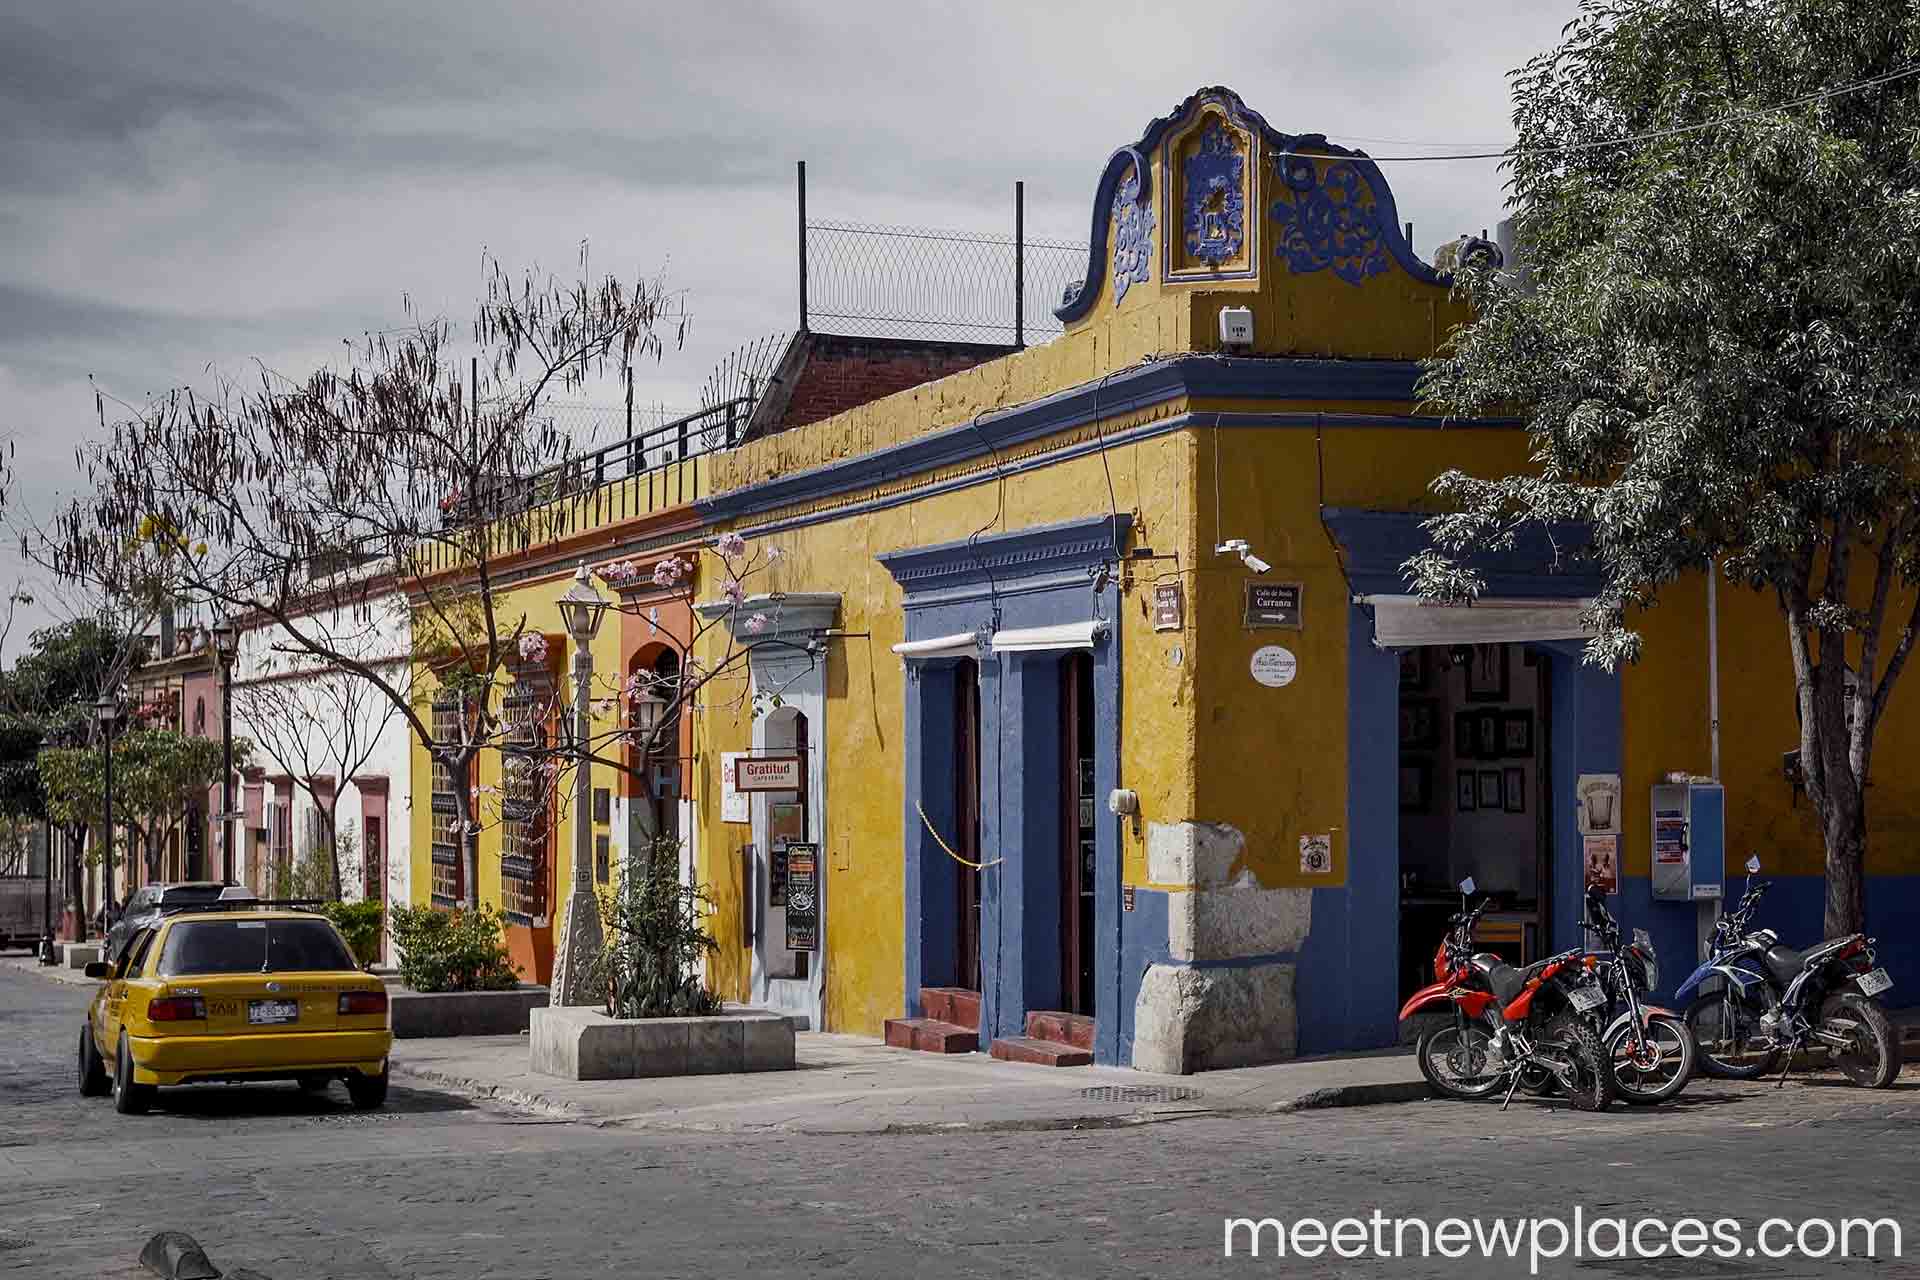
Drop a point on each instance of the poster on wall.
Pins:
(1598, 795)
(1316, 854)
(733, 801)
(803, 897)
(1602, 857)
(786, 823)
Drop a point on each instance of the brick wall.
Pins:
(842, 373)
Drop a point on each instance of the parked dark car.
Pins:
(144, 908)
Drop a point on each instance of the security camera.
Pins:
(1239, 547)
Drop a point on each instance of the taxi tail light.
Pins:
(177, 1009)
(363, 1002)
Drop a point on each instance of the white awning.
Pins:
(1066, 635)
(1401, 622)
(961, 644)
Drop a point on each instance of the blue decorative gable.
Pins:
(1213, 205)
(1347, 223)
(1020, 560)
(1328, 219)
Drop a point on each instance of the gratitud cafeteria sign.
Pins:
(766, 773)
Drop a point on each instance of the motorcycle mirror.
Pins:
(1753, 865)
(1467, 886)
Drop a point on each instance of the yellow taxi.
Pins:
(234, 991)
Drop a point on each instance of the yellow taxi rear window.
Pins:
(252, 946)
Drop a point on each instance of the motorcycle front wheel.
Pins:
(1726, 1030)
(1872, 1055)
(1458, 1061)
(1657, 1067)
(1592, 1087)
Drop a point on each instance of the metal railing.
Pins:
(917, 282)
(656, 468)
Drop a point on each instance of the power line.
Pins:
(1649, 136)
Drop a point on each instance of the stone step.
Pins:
(1045, 1053)
(957, 1005)
(1075, 1029)
(930, 1035)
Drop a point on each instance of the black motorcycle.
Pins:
(1774, 1001)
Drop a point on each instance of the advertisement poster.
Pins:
(1669, 836)
(786, 823)
(733, 801)
(803, 897)
(1602, 856)
(1599, 797)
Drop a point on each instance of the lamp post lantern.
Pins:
(226, 647)
(107, 709)
(582, 609)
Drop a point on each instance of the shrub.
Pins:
(453, 950)
(654, 941)
(359, 924)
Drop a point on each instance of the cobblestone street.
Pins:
(301, 1188)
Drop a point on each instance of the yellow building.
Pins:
(1085, 704)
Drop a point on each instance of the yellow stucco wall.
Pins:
(865, 715)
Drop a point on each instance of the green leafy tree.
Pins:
(1713, 336)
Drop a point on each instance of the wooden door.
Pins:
(966, 782)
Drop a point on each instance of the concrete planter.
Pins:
(419, 1014)
(576, 1043)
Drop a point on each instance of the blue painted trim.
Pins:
(1547, 562)
(1588, 736)
(1063, 553)
(1279, 144)
(1130, 390)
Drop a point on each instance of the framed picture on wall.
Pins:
(1516, 733)
(1416, 785)
(1488, 792)
(1487, 674)
(1419, 723)
(1513, 788)
(1465, 746)
(1413, 670)
(1463, 792)
(1487, 735)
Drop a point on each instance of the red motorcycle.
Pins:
(1509, 1026)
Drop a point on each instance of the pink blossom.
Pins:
(757, 623)
(735, 592)
(533, 647)
(774, 553)
(620, 571)
(730, 545)
(669, 572)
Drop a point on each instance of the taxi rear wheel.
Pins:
(129, 1098)
(93, 1072)
(368, 1092)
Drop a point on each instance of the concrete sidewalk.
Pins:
(852, 1084)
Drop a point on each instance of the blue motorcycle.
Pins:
(1773, 1002)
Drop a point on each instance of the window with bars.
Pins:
(524, 825)
(449, 887)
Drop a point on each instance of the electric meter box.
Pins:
(1689, 841)
(1236, 326)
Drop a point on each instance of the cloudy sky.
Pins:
(194, 185)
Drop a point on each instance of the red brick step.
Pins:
(1045, 1053)
(930, 1035)
(1075, 1029)
(957, 1005)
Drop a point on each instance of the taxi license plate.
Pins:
(1585, 999)
(1874, 982)
(271, 1011)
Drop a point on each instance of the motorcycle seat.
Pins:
(1784, 963)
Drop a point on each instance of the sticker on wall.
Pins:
(1316, 854)
(1602, 856)
(1274, 666)
(733, 801)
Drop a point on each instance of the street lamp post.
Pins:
(582, 609)
(226, 645)
(107, 709)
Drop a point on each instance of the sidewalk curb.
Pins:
(1357, 1095)
(51, 972)
(519, 1099)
